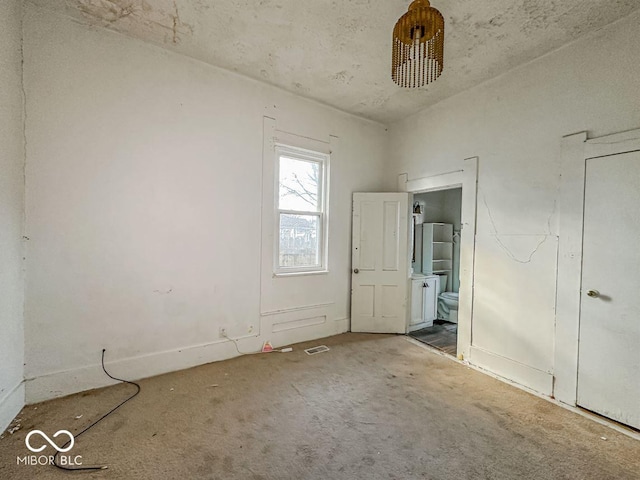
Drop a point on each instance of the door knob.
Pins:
(355, 270)
(593, 293)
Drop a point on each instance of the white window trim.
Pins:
(323, 248)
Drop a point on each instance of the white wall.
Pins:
(144, 209)
(445, 206)
(11, 212)
(515, 124)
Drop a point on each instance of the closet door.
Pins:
(609, 357)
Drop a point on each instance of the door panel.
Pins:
(363, 300)
(379, 279)
(367, 223)
(431, 299)
(390, 301)
(417, 303)
(609, 353)
(390, 247)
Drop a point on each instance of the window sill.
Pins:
(299, 274)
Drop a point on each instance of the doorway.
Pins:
(467, 180)
(436, 234)
(383, 225)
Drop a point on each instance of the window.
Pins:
(301, 203)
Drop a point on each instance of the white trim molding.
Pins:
(576, 149)
(285, 318)
(11, 404)
(467, 178)
(537, 380)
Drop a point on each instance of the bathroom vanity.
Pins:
(424, 301)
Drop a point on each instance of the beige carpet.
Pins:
(373, 407)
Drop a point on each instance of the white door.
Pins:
(380, 262)
(609, 348)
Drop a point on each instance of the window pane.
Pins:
(299, 236)
(299, 185)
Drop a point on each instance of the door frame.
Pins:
(467, 179)
(576, 150)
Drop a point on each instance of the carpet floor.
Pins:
(372, 407)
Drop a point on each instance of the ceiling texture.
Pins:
(339, 51)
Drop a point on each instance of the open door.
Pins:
(380, 262)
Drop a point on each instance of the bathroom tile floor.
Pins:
(442, 335)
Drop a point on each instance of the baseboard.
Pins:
(62, 383)
(343, 325)
(537, 380)
(572, 408)
(11, 404)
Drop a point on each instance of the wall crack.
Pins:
(163, 292)
(506, 249)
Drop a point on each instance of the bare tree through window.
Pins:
(301, 211)
(299, 186)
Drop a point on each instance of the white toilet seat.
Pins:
(449, 296)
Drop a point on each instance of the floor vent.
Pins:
(318, 349)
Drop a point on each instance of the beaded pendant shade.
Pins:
(418, 45)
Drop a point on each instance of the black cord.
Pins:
(75, 469)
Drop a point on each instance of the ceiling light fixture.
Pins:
(418, 45)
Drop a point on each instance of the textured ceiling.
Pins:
(339, 52)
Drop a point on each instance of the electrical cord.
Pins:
(235, 343)
(75, 469)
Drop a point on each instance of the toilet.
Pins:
(448, 306)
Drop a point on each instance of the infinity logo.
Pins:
(51, 442)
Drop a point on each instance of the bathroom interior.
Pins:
(435, 268)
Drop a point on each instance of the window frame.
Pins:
(305, 155)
